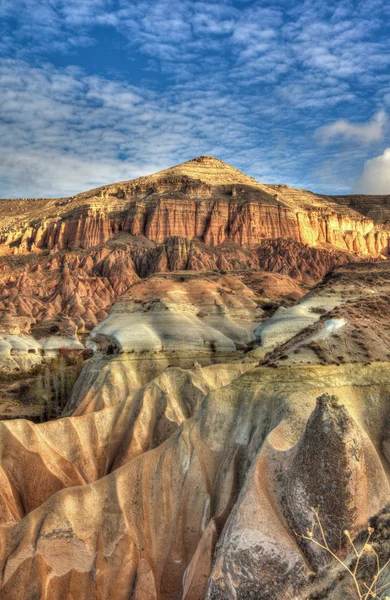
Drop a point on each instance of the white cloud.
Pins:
(376, 175)
(372, 131)
(64, 131)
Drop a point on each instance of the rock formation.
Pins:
(75, 256)
(204, 198)
(240, 377)
(343, 319)
(209, 512)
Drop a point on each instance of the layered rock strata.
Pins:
(170, 477)
(204, 198)
(66, 261)
(192, 316)
(343, 319)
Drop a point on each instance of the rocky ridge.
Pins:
(203, 198)
(211, 418)
(64, 262)
(226, 486)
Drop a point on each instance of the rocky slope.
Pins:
(73, 291)
(204, 198)
(226, 397)
(209, 512)
(192, 481)
(64, 262)
(346, 318)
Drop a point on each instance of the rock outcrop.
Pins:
(204, 198)
(211, 511)
(24, 351)
(344, 319)
(75, 256)
(190, 315)
(226, 397)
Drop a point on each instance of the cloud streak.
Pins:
(372, 131)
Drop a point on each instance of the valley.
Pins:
(221, 354)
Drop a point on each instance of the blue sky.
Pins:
(96, 91)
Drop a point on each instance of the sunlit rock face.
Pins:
(207, 505)
(188, 315)
(21, 352)
(235, 384)
(75, 256)
(204, 198)
(191, 481)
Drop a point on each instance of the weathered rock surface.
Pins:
(190, 315)
(73, 292)
(210, 512)
(75, 256)
(198, 437)
(344, 319)
(21, 352)
(204, 198)
(38, 460)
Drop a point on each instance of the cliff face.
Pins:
(204, 199)
(247, 223)
(244, 222)
(170, 477)
(76, 256)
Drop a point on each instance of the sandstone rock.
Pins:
(344, 319)
(219, 478)
(180, 470)
(202, 215)
(188, 314)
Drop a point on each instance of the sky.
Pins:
(97, 91)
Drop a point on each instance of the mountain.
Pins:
(239, 378)
(75, 256)
(203, 198)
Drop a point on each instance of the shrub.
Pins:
(70, 355)
(366, 582)
(25, 392)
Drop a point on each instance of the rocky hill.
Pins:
(240, 377)
(205, 199)
(65, 261)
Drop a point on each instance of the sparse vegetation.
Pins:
(47, 386)
(53, 386)
(362, 565)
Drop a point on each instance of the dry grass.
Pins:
(364, 590)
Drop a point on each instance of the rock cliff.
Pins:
(240, 377)
(75, 256)
(205, 199)
(143, 500)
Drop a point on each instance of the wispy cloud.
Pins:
(372, 131)
(63, 131)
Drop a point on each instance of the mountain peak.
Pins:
(206, 160)
(208, 169)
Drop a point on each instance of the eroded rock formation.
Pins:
(204, 198)
(211, 418)
(74, 257)
(210, 512)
